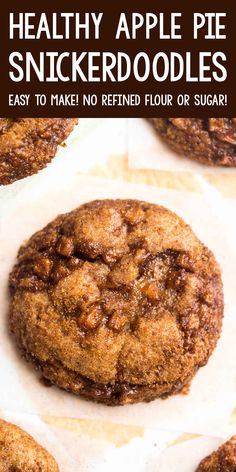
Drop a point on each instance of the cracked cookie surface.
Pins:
(19, 452)
(211, 141)
(222, 460)
(117, 300)
(27, 145)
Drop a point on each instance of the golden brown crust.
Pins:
(222, 460)
(20, 453)
(210, 141)
(27, 145)
(117, 301)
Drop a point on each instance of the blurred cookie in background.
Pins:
(222, 460)
(210, 141)
(27, 145)
(19, 452)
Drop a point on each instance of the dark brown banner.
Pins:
(117, 59)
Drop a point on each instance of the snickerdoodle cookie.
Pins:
(211, 141)
(118, 301)
(222, 460)
(19, 452)
(27, 145)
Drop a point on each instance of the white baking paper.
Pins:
(104, 454)
(185, 455)
(101, 447)
(206, 409)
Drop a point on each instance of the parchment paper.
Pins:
(146, 150)
(186, 454)
(98, 447)
(206, 409)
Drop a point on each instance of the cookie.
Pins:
(117, 301)
(210, 141)
(222, 460)
(20, 453)
(27, 145)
